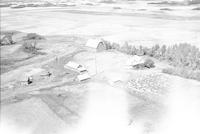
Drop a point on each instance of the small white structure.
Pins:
(83, 77)
(72, 65)
(75, 66)
(135, 60)
(96, 44)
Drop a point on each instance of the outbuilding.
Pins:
(97, 44)
(75, 66)
(83, 77)
(72, 65)
(82, 69)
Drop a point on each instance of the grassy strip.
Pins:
(182, 72)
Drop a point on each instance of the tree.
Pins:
(33, 36)
(125, 48)
(133, 50)
(30, 46)
(140, 51)
(7, 39)
(115, 46)
(163, 50)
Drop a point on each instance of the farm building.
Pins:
(75, 66)
(72, 65)
(82, 69)
(83, 77)
(97, 44)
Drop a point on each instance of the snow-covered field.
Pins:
(138, 24)
(102, 105)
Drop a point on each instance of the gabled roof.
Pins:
(72, 65)
(93, 43)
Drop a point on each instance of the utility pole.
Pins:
(95, 62)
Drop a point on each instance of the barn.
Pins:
(97, 44)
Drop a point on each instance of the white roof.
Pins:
(82, 69)
(93, 43)
(134, 60)
(83, 76)
(72, 64)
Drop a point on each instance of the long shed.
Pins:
(72, 65)
(75, 66)
(83, 77)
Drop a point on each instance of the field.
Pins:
(116, 98)
(148, 27)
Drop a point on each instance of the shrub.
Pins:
(30, 46)
(139, 66)
(33, 36)
(7, 40)
(149, 63)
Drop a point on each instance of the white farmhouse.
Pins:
(75, 66)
